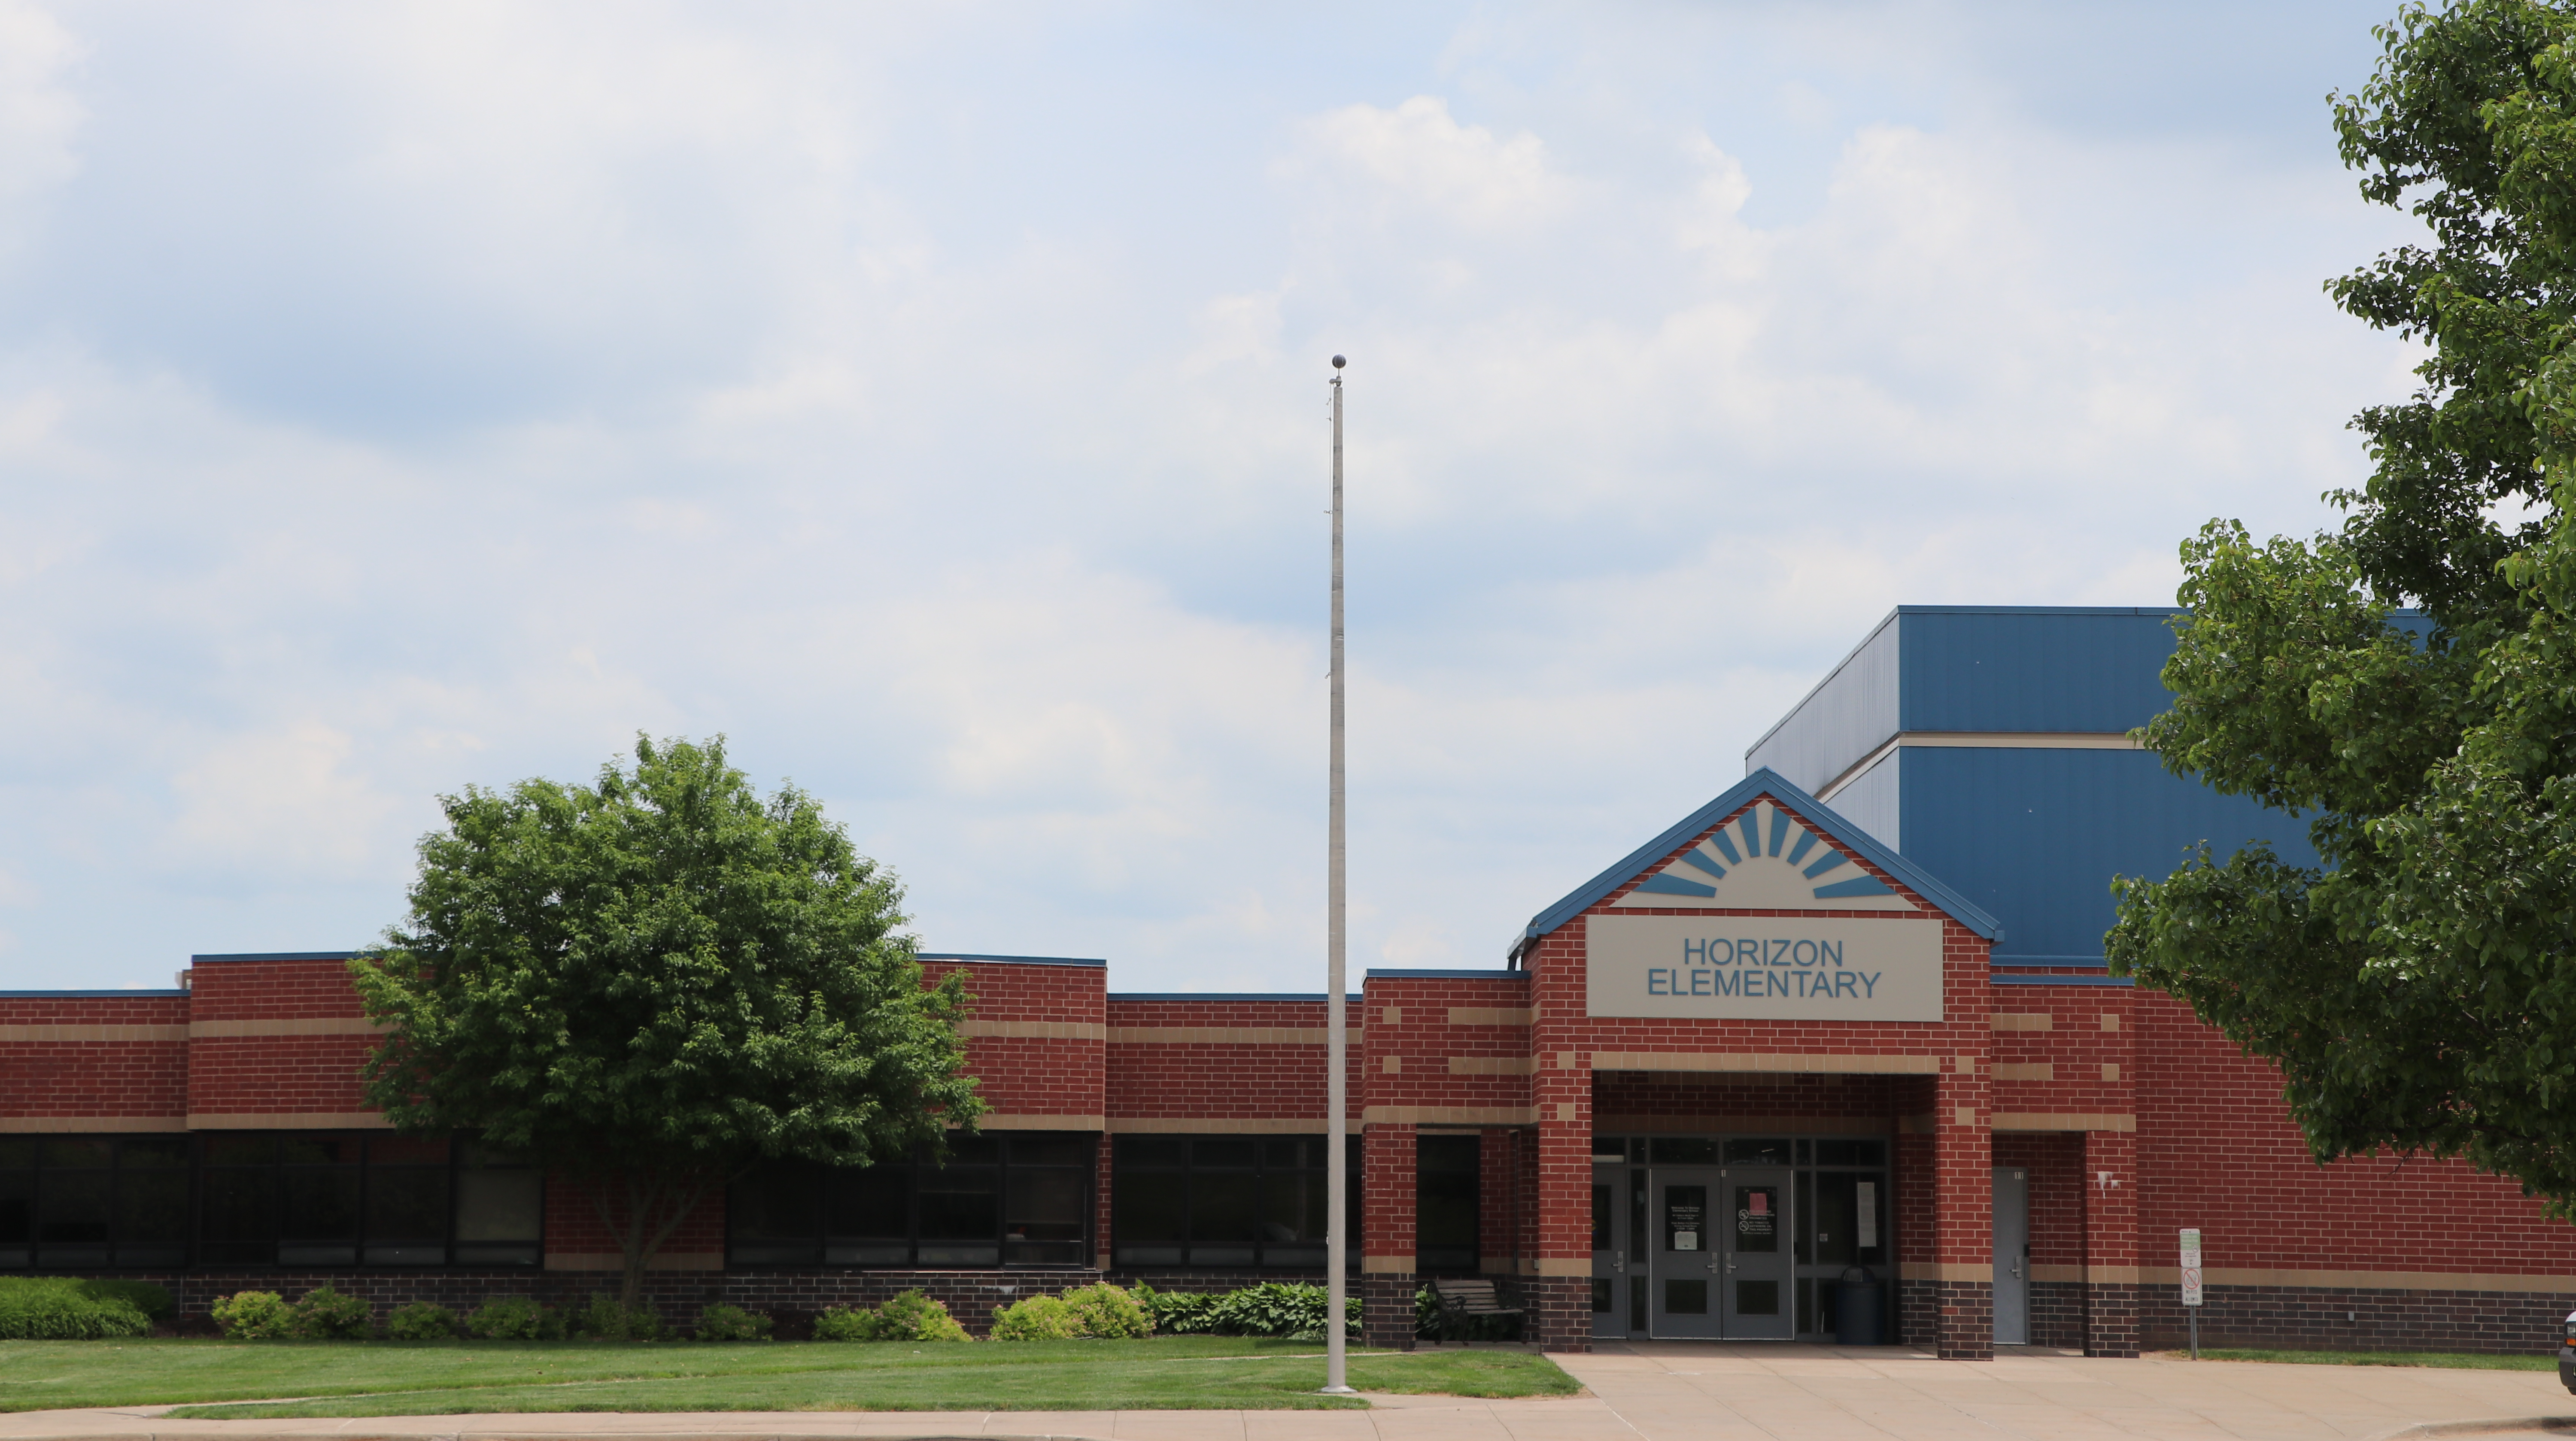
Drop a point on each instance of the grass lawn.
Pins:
(392, 1378)
(2457, 1360)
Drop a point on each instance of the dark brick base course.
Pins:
(2057, 1314)
(1386, 1309)
(2316, 1318)
(2110, 1319)
(1918, 1313)
(1557, 1312)
(1965, 1320)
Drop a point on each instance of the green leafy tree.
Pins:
(2416, 989)
(654, 983)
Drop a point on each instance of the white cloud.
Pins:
(403, 398)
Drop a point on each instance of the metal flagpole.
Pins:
(1337, 1038)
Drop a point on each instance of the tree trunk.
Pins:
(653, 1206)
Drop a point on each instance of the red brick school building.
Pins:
(1851, 1013)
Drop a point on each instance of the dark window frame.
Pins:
(829, 1196)
(1173, 1163)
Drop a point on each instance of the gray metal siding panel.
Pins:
(2033, 670)
(2034, 836)
(1850, 714)
(1871, 801)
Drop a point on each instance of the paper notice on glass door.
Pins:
(1866, 1223)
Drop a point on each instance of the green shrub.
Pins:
(1178, 1313)
(255, 1316)
(1035, 1318)
(840, 1323)
(515, 1318)
(153, 1301)
(913, 1316)
(63, 1309)
(1276, 1308)
(421, 1321)
(324, 1314)
(720, 1322)
(602, 1317)
(1107, 1313)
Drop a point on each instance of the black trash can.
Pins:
(1860, 1308)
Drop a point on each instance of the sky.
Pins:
(931, 400)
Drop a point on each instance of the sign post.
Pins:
(2191, 1284)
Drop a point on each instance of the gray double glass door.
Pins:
(1721, 1256)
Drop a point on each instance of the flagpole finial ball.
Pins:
(1339, 362)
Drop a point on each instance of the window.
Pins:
(93, 1202)
(1021, 1199)
(1447, 1193)
(1232, 1201)
(329, 1199)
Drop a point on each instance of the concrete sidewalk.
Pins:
(1650, 1391)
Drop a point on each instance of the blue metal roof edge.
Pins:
(1009, 960)
(1762, 781)
(1317, 997)
(272, 956)
(162, 994)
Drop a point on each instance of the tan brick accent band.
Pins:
(1491, 1016)
(1038, 1030)
(292, 1121)
(1221, 1035)
(2009, 1021)
(93, 1033)
(1042, 1123)
(1848, 1065)
(1450, 1115)
(2366, 1280)
(1491, 1066)
(299, 1026)
(74, 1125)
(2046, 1121)
(1215, 1125)
(1386, 1265)
(2026, 1071)
(1561, 1266)
(1666, 1125)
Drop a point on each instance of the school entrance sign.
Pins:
(1764, 967)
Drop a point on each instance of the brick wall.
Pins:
(70, 1061)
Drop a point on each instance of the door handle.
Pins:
(2016, 1268)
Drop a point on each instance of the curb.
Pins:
(746, 1435)
(2489, 1427)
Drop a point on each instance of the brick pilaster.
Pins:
(2110, 1243)
(1388, 1180)
(1963, 1209)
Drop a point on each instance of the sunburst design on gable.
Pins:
(1765, 859)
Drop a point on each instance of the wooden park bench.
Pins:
(1462, 1298)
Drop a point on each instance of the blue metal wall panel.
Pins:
(2034, 836)
(1872, 801)
(1967, 668)
(1849, 714)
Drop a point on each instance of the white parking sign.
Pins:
(2191, 1266)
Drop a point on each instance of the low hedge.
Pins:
(46, 1308)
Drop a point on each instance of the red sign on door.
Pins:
(1762, 1203)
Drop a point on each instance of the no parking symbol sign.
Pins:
(2191, 1267)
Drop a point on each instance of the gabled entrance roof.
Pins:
(1807, 808)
